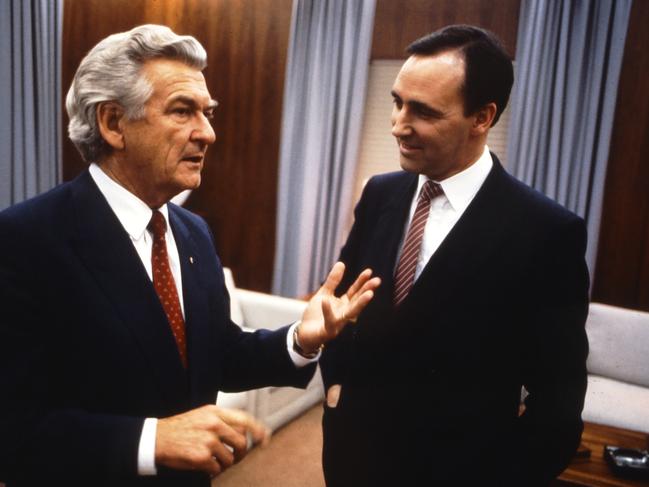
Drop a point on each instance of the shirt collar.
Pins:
(131, 211)
(460, 188)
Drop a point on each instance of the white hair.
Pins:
(111, 72)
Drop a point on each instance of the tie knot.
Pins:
(430, 190)
(157, 225)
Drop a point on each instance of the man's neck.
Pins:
(113, 169)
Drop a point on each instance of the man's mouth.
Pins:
(197, 158)
(407, 148)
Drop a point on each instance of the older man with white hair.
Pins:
(116, 336)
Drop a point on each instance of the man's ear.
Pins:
(109, 116)
(484, 117)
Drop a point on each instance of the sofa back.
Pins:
(619, 343)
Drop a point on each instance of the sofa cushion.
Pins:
(618, 341)
(616, 403)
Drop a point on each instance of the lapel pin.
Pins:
(191, 259)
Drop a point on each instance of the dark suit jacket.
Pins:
(86, 352)
(430, 391)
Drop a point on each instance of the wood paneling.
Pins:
(399, 22)
(246, 42)
(622, 271)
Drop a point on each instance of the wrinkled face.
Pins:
(165, 149)
(428, 120)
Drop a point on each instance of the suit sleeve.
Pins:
(250, 359)
(260, 359)
(554, 370)
(40, 437)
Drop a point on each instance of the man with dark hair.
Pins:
(488, 73)
(115, 335)
(485, 291)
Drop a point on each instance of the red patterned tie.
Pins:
(405, 275)
(164, 284)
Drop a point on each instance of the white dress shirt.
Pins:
(134, 215)
(446, 209)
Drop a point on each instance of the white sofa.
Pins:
(275, 406)
(618, 367)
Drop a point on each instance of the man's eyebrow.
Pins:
(423, 107)
(187, 100)
(418, 105)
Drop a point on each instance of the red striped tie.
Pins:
(164, 284)
(405, 275)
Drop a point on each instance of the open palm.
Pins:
(326, 314)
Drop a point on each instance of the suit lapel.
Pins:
(197, 310)
(389, 229)
(470, 242)
(108, 253)
(382, 251)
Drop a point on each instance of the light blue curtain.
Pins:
(30, 98)
(568, 59)
(324, 96)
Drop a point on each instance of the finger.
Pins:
(333, 395)
(236, 441)
(225, 433)
(222, 455)
(258, 431)
(369, 285)
(360, 281)
(354, 308)
(333, 279)
(211, 466)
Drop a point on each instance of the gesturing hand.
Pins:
(197, 439)
(326, 314)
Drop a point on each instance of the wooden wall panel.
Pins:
(399, 22)
(622, 271)
(246, 42)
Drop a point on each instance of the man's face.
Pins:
(164, 151)
(428, 120)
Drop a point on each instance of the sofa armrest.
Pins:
(267, 311)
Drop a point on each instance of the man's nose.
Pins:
(203, 132)
(400, 124)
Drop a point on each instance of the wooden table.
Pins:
(594, 471)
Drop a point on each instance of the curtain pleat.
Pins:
(30, 98)
(568, 59)
(324, 96)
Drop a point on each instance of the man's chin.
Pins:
(409, 165)
(190, 181)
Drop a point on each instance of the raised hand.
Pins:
(326, 315)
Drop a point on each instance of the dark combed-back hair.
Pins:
(488, 75)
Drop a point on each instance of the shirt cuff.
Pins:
(297, 359)
(146, 450)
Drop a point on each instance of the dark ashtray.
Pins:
(627, 462)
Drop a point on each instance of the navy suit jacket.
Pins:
(86, 352)
(431, 390)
